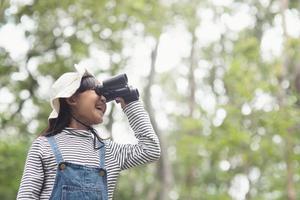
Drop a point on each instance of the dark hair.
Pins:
(56, 125)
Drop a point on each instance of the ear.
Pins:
(72, 101)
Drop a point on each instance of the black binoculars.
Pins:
(117, 86)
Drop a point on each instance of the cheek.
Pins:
(83, 106)
(87, 107)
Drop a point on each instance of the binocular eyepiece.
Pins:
(117, 86)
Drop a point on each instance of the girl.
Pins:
(69, 160)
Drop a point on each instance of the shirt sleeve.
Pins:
(147, 149)
(33, 175)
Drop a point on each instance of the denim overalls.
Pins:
(78, 182)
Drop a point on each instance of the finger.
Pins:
(118, 100)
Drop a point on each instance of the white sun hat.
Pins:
(65, 86)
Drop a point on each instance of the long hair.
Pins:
(56, 125)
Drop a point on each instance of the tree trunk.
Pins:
(291, 192)
(164, 166)
(109, 125)
(191, 76)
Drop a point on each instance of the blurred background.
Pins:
(220, 80)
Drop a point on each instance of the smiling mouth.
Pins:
(100, 109)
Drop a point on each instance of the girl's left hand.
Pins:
(121, 100)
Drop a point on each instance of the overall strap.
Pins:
(55, 149)
(102, 166)
(102, 155)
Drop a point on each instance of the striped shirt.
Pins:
(76, 146)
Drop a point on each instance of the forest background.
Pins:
(220, 80)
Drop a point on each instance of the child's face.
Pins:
(89, 107)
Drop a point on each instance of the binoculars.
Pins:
(117, 86)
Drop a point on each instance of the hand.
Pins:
(121, 100)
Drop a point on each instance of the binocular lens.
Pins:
(116, 81)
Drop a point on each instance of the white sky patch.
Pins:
(24, 94)
(239, 187)
(292, 23)
(207, 100)
(174, 45)
(32, 126)
(7, 98)
(224, 165)
(246, 109)
(219, 87)
(19, 76)
(254, 174)
(12, 38)
(98, 60)
(28, 23)
(139, 52)
(263, 101)
(222, 2)
(272, 40)
(208, 31)
(239, 20)
(44, 83)
(21, 2)
(64, 50)
(121, 133)
(182, 85)
(162, 108)
(29, 110)
(277, 139)
(100, 57)
(32, 65)
(271, 44)
(219, 118)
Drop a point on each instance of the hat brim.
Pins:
(65, 86)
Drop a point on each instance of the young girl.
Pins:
(69, 160)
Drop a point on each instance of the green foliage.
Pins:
(12, 159)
